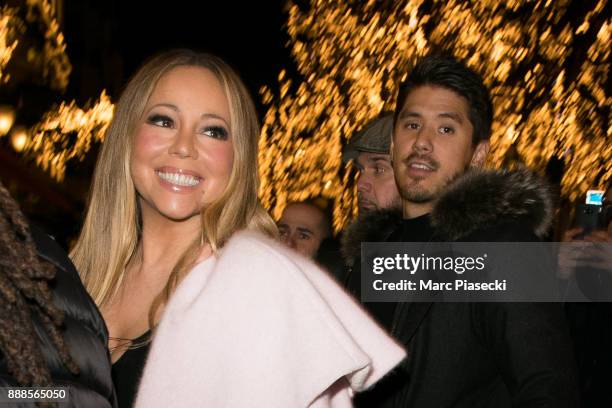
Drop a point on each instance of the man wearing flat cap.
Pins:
(377, 194)
(369, 148)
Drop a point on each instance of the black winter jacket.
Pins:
(489, 355)
(84, 332)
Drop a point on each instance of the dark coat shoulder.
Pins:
(374, 226)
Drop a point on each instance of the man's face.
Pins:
(376, 187)
(303, 227)
(432, 143)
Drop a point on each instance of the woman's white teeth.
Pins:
(179, 179)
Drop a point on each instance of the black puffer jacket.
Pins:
(85, 334)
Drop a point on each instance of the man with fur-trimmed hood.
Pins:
(466, 354)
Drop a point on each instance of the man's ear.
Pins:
(481, 151)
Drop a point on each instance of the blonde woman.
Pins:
(174, 227)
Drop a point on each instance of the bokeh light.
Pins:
(551, 97)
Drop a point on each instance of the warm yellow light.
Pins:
(7, 117)
(8, 42)
(51, 56)
(19, 138)
(351, 56)
(67, 132)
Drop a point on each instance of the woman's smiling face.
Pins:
(182, 155)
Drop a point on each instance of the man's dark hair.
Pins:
(446, 72)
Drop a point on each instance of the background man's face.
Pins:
(303, 227)
(376, 187)
(432, 143)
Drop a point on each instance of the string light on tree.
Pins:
(546, 63)
(19, 138)
(53, 144)
(7, 117)
(67, 131)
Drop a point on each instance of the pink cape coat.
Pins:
(260, 326)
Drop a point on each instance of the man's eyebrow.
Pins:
(376, 159)
(452, 115)
(304, 230)
(408, 114)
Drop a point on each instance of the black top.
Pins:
(413, 230)
(128, 370)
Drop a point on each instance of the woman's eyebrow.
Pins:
(203, 116)
(167, 105)
(213, 116)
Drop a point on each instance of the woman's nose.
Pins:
(183, 144)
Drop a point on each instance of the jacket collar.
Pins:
(479, 198)
(473, 201)
(373, 226)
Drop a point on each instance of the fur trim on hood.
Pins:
(475, 200)
(374, 226)
(481, 198)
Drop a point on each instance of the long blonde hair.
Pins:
(111, 230)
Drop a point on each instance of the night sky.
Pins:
(108, 40)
